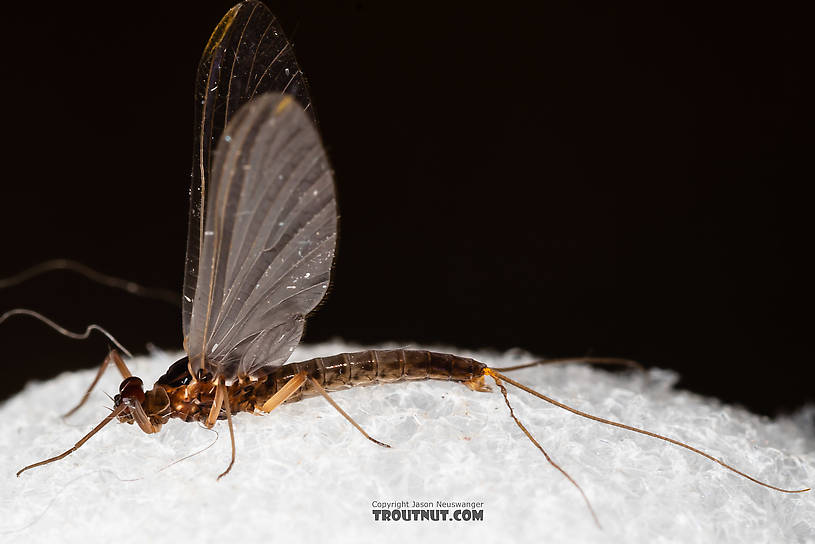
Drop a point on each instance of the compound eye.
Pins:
(132, 388)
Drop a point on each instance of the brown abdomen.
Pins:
(371, 367)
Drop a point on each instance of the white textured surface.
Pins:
(304, 474)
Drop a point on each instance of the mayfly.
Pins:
(260, 248)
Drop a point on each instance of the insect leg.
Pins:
(222, 397)
(231, 436)
(215, 410)
(103, 279)
(110, 417)
(285, 392)
(114, 356)
(336, 406)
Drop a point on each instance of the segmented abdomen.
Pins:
(371, 367)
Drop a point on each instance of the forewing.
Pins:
(268, 244)
(246, 56)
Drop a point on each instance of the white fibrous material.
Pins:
(303, 473)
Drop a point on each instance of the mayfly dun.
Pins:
(260, 249)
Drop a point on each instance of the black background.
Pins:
(569, 180)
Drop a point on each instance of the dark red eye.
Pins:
(132, 388)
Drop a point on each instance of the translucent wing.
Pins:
(268, 244)
(247, 56)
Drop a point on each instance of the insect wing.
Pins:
(269, 241)
(246, 56)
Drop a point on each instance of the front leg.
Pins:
(113, 356)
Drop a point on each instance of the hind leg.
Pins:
(336, 406)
